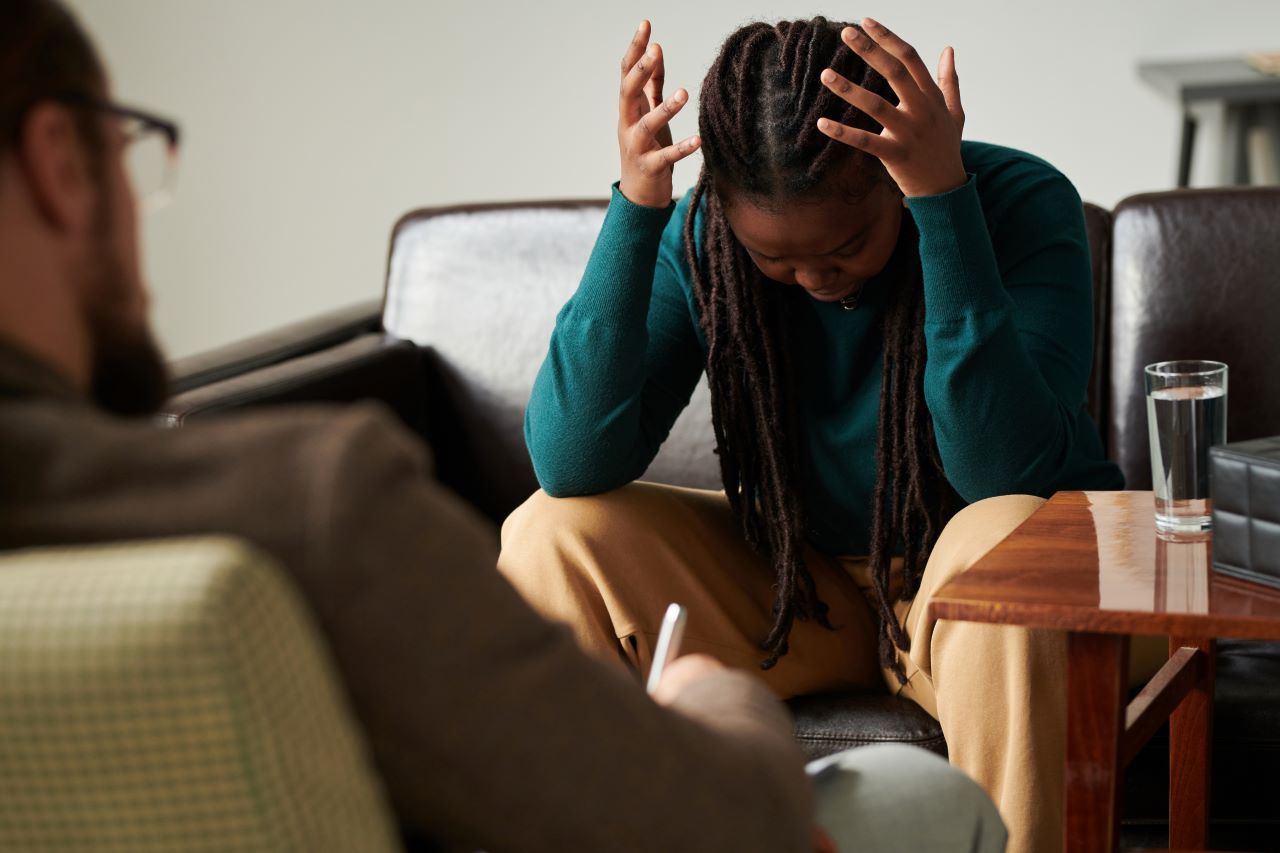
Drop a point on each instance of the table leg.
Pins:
(1097, 681)
(1190, 754)
(1269, 121)
(1234, 167)
(1185, 149)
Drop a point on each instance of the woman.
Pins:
(894, 325)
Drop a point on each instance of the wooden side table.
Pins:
(1090, 563)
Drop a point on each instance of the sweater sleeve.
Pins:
(489, 727)
(623, 361)
(1009, 332)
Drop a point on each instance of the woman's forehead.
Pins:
(808, 228)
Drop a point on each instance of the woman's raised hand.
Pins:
(644, 118)
(920, 144)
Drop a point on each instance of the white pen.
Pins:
(668, 644)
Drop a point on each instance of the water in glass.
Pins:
(1184, 423)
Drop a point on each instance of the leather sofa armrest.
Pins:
(373, 366)
(296, 339)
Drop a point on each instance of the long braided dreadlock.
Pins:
(758, 117)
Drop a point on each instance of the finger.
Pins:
(869, 102)
(672, 154)
(639, 42)
(949, 83)
(653, 89)
(660, 116)
(889, 66)
(872, 143)
(633, 86)
(897, 47)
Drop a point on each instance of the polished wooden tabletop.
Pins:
(1091, 561)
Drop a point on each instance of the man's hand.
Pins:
(682, 672)
(688, 669)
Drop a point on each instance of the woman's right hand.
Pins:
(644, 135)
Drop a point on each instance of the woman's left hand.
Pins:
(920, 144)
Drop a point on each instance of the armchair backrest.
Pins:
(173, 694)
(1194, 274)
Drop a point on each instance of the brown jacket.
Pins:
(488, 725)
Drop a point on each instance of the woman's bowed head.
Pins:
(812, 133)
(892, 110)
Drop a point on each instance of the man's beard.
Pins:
(129, 372)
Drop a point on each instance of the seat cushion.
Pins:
(832, 722)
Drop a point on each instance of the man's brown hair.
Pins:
(45, 54)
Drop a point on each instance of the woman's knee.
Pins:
(979, 527)
(546, 519)
(536, 515)
(636, 510)
(999, 515)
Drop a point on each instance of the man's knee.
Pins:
(905, 797)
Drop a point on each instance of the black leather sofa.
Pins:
(470, 297)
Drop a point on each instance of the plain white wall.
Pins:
(311, 125)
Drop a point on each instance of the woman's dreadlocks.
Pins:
(758, 117)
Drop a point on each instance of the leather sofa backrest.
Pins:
(480, 286)
(1194, 274)
(1097, 221)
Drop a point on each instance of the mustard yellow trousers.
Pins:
(608, 565)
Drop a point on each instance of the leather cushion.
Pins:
(481, 286)
(831, 722)
(1244, 479)
(1193, 276)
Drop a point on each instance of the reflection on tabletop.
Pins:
(1141, 570)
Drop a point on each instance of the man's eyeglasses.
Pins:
(151, 148)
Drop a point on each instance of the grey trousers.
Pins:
(896, 797)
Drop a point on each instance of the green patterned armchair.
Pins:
(173, 695)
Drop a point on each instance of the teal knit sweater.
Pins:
(1008, 328)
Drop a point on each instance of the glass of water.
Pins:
(1186, 415)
